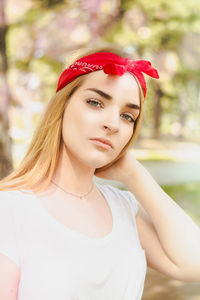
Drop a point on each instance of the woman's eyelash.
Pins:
(97, 102)
(94, 101)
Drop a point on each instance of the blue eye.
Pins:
(97, 102)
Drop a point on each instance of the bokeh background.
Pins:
(39, 37)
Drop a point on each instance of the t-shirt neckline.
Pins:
(76, 234)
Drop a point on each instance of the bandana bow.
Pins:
(111, 64)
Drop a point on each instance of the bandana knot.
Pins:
(114, 69)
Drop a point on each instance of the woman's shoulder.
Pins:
(125, 196)
(7, 196)
(116, 190)
(12, 197)
(11, 194)
(6, 202)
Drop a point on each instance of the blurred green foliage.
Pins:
(187, 196)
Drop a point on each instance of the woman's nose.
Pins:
(112, 125)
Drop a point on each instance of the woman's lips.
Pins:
(101, 144)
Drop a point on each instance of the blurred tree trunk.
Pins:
(97, 28)
(183, 111)
(6, 164)
(157, 110)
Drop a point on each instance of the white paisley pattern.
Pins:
(85, 66)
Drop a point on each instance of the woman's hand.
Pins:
(122, 169)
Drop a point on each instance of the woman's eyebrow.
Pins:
(108, 97)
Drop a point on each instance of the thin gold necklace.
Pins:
(71, 193)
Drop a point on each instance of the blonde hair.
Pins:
(41, 158)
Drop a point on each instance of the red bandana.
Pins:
(110, 63)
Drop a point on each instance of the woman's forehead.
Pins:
(99, 79)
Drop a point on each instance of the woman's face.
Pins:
(98, 109)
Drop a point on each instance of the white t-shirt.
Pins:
(58, 263)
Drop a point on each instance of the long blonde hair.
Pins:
(41, 158)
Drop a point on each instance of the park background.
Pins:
(36, 39)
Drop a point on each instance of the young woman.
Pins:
(63, 236)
